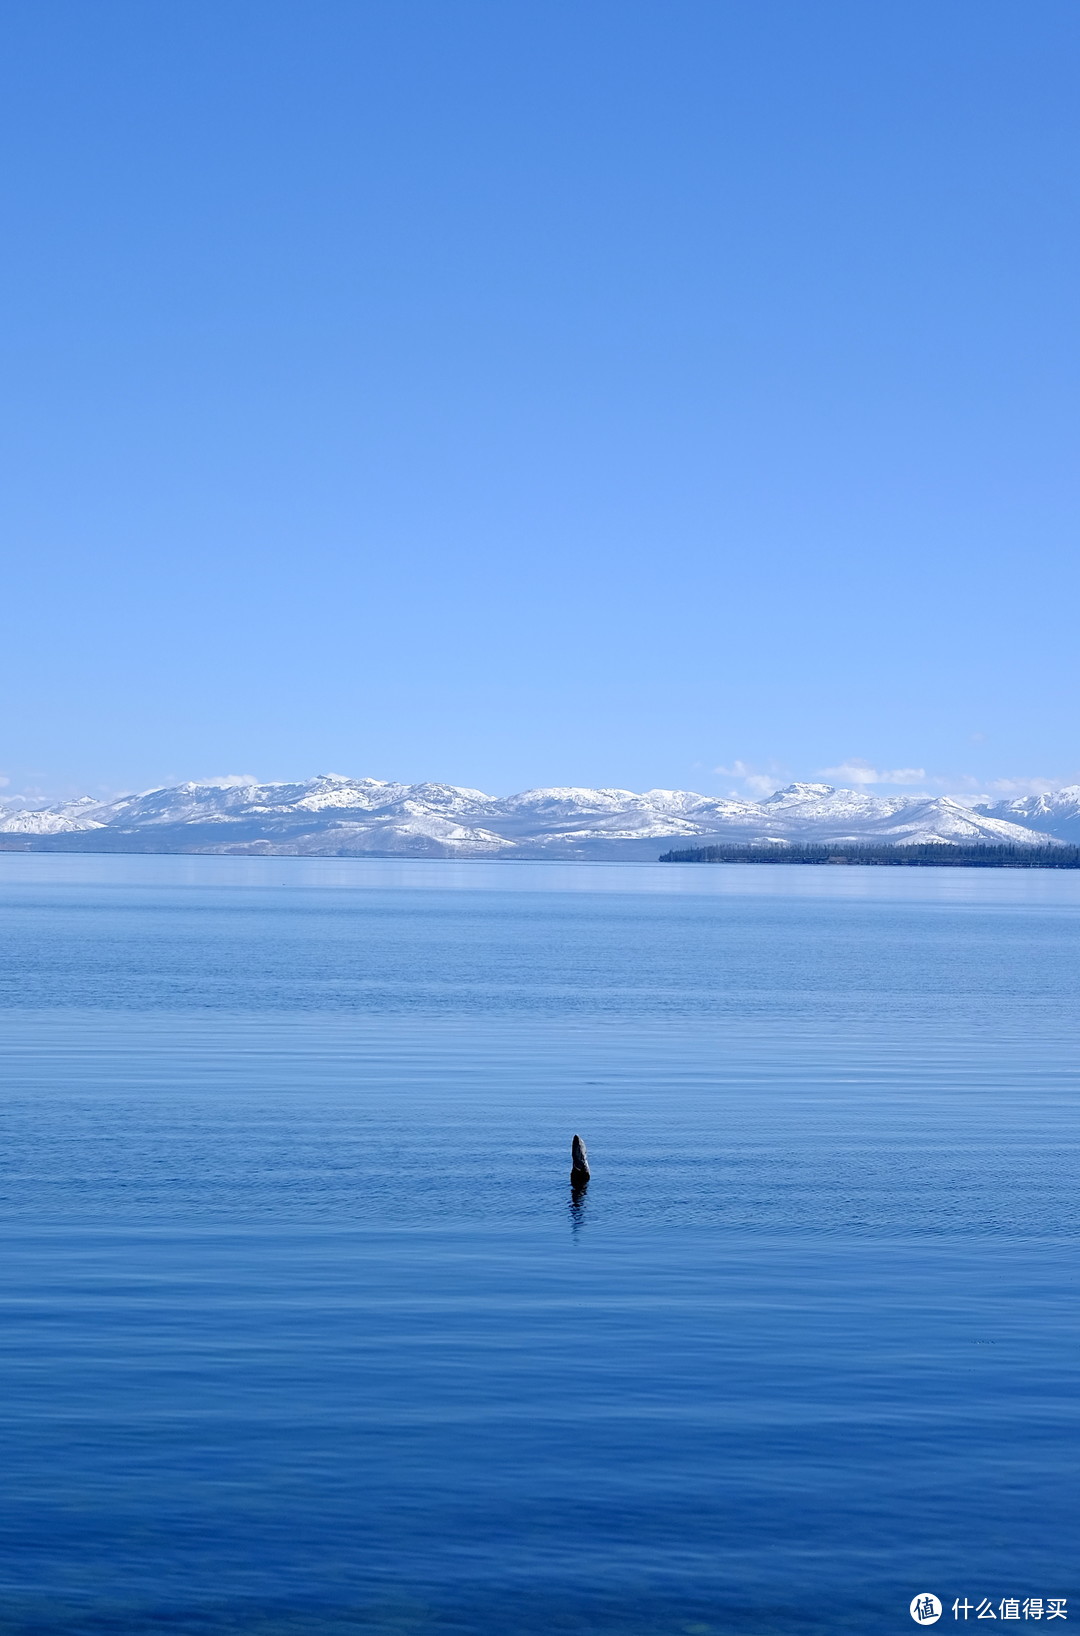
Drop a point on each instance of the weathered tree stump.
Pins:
(579, 1165)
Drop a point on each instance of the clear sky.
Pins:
(554, 391)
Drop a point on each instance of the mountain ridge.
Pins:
(335, 815)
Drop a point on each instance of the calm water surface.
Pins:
(302, 1333)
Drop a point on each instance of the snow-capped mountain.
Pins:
(337, 816)
(1056, 814)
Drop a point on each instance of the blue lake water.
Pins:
(302, 1333)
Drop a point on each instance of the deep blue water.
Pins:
(303, 1333)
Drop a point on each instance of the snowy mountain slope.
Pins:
(1056, 814)
(72, 815)
(818, 812)
(10, 804)
(335, 815)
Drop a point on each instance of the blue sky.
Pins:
(666, 393)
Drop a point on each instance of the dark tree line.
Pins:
(920, 853)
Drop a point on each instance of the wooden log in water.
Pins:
(579, 1165)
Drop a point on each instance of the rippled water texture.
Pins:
(304, 1333)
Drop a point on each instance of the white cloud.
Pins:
(1027, 786)
(759, 781)
(855, 771)
(755, 780)
(230, 781)
(962, 787)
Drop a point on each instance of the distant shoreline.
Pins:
(914, 855)
(921, 855)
